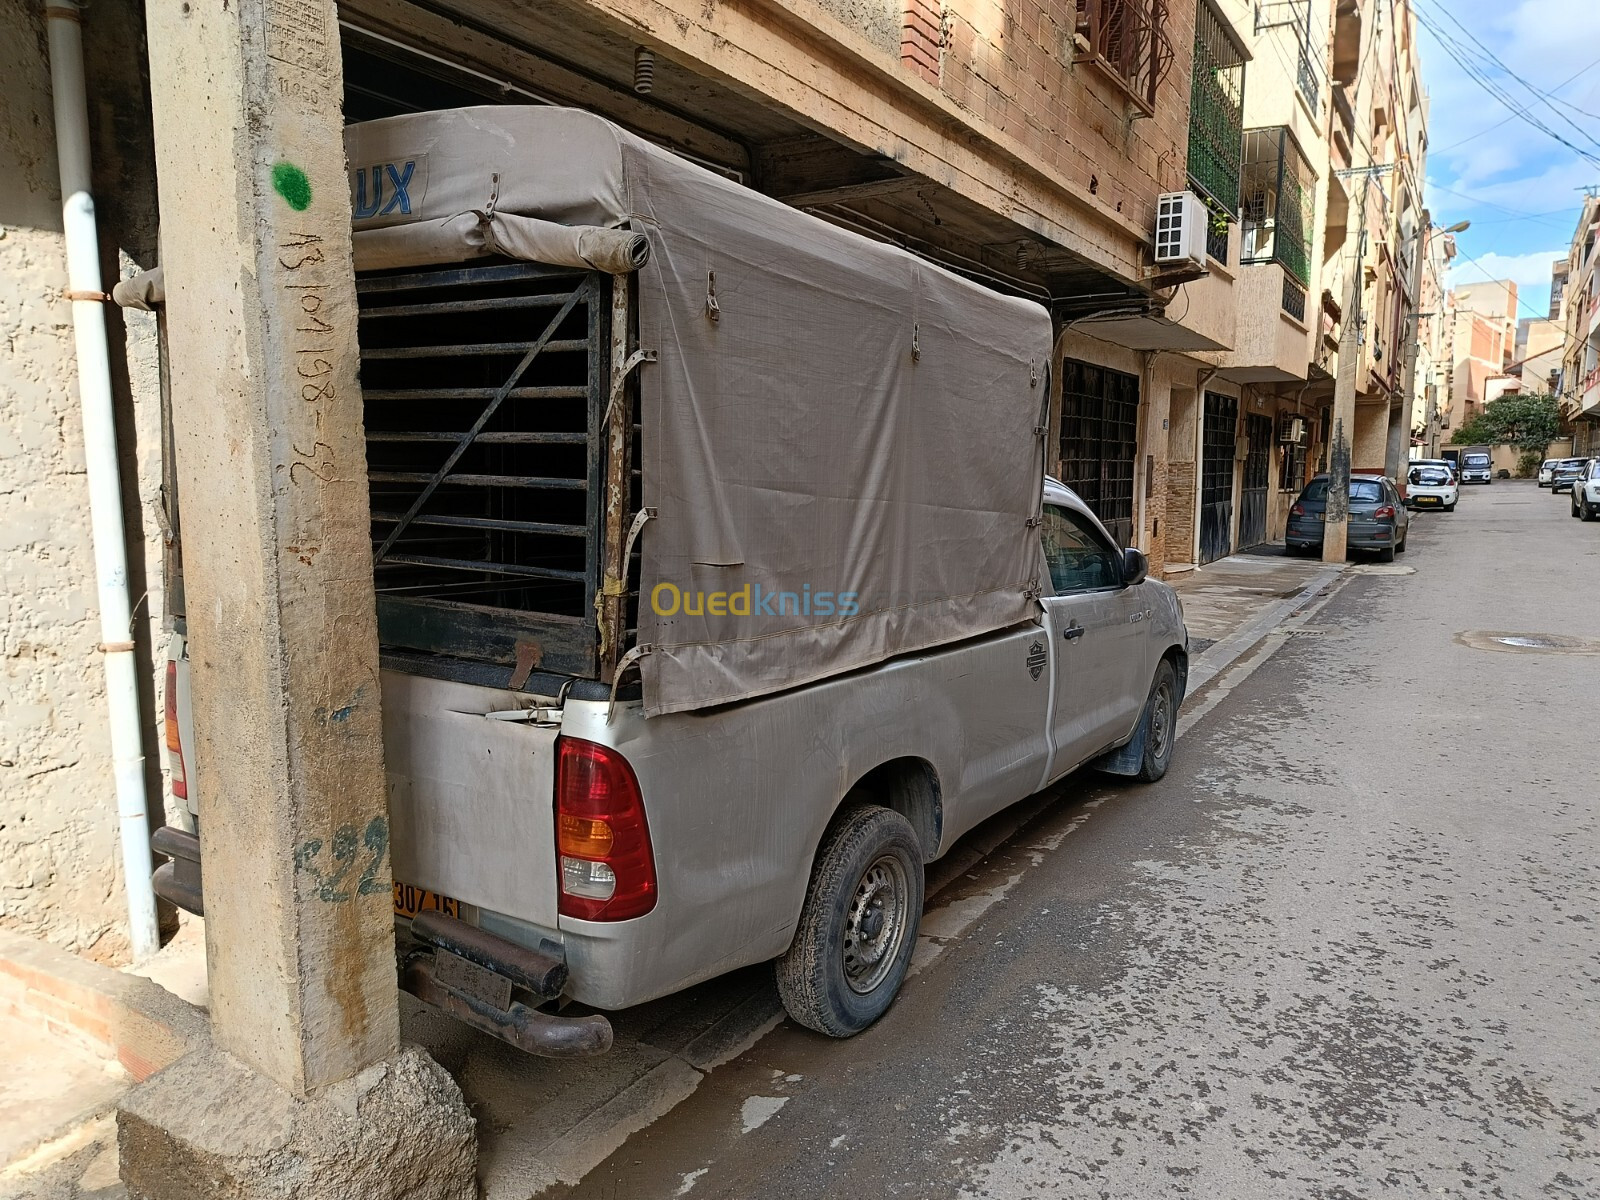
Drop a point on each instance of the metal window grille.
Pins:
(1294, 298)
(1309, 83)
(1127, 38)
(1292, 468)
(1217, 440)
(1216, 113)
(1278, 201)
(1099, 441)
(1217, 240)
(484, 391)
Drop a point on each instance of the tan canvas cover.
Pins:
(840, 441)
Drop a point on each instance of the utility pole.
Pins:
(1336, 527)
(1400, 431)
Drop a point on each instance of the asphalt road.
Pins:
(1348, 947)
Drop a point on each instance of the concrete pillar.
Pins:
(261, 320)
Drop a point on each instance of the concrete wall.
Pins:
(1010, 65)
(59, 872)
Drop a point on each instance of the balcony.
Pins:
(1278, 202)
(1128, 41)
(1589, 394)
(1216, 114)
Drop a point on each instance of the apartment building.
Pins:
(1580, 321)
(1481, 346)
(1025, 145)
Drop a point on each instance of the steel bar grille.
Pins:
(1128, 38)
(1216, 115)
(1278, 199)
(1099, 441)
(483, 389)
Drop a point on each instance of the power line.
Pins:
(1549, 100)
(1463, 59)
(1512, 116)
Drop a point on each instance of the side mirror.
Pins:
(1135, 566)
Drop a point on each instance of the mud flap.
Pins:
(1127, 759)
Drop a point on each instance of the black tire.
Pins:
(1386, 554)
(870, 855)
(1159, 723)
(1449, 508)
(1574, 506)
(1586, 511)
(1401, 548)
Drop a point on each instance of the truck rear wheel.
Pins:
(1160, 724)
(859, 924)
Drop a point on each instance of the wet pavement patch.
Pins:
(1528, 643)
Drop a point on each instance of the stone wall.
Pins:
(60, 874)
(1011, 64)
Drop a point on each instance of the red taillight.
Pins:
(1383, 512)
(1299, 510)
(178, 777)
(606, 871)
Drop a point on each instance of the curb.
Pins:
(116, 1016)
(1218, 658)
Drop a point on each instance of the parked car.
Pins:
(1449, 464)
(1475, 465)
(1586, 492)
(1378, 519)
(1546, 470)
(1430, 486)
(1566, 472)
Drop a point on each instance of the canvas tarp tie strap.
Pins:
(466, 438)
(631, 658)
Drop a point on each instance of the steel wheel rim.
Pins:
(875, 924)
(1161, 722)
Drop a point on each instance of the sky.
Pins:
(1520, 188)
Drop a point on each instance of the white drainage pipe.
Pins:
(100, 454)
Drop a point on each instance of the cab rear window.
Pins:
(1365, 489)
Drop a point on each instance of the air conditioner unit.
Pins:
(1292, 430)
(1181, 220)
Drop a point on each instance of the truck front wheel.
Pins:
(858, 926)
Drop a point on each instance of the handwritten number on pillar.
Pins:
(376, 839)
(345, 847)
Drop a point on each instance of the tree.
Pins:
(1527, 420)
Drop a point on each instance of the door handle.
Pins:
(1072, 632)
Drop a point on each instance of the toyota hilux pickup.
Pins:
(741, 598)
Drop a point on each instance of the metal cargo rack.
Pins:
(500, 486)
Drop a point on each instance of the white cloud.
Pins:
(1527, 270)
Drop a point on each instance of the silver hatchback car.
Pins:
(1378, 518)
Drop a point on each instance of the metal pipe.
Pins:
(63, 20)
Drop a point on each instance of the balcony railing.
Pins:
(1216, 113)
(1294, 298)
(1277, 202)
(1128, 39)
(1306, 79)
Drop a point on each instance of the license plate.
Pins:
(1427, 499)
(409, 900)
(469, 979)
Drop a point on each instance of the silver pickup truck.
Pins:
(718, 584)
(539, 840)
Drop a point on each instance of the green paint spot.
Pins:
(290, 182)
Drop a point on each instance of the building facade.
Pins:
(1025, 145)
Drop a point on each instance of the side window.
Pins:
(1080, 560)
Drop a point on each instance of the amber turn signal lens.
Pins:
(585, 837)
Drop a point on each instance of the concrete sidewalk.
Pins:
(1231, 604)
(543, 1123)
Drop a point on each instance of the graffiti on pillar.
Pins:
(290, 182)
(330, 872)
(313, 345)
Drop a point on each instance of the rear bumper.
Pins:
(526, 974)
